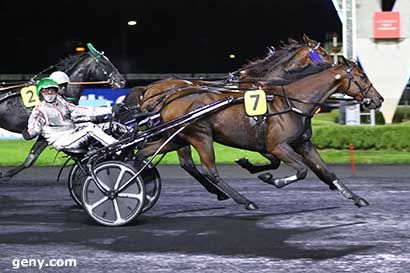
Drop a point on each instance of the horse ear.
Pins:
(309, 42)
(344, 60)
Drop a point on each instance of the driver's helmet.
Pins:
(47, 83)
(60, 77)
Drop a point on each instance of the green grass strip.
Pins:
(13, 153)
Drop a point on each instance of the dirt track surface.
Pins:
(301, 228)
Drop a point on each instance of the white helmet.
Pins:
(60, 77)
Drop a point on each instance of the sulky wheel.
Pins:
(115, 204)
(152, 183)
(76, 180)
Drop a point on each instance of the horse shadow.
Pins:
(227, 234)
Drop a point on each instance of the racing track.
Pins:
(302, 228)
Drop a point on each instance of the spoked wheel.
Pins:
(115, 205)
(152, 183)
(76, 180)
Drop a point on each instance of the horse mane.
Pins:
(85, 60)
(297, 74)
(68, 63)
(272, 60)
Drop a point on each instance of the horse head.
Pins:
(91, 66)
(101, 67)
(310, 52)
(289, 57)
(355, 83)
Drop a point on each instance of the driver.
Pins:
(58, 120)
(61, 79)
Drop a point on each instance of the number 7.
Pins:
(256, 97)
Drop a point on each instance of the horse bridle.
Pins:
(111, 78)
(363, 91)
(314, 55)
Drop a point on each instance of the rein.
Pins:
(290, 106)
(42, 72)
(223, 89)
(31, 82)
(90, 83)
(15, 86)
(71, 83)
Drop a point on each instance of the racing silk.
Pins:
(57, 120)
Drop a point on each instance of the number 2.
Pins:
(31, 99)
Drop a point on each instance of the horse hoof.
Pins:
(251, 206)
(243, 162)
(360, 202)
(222, 197)
(332, 187)
(266, 177)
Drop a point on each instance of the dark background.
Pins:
(171, 35)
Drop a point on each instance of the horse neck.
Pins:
(247, 81)
(77, 73)
(315, 89)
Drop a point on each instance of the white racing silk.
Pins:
(58, 123)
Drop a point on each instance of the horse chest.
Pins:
(288, 126)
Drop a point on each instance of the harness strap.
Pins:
(8, 95)
(165, 93)
(71, 99)
(261, 120)
(165, 102)
(15, 86)
(90, 83)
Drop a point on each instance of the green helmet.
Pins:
(45, 83)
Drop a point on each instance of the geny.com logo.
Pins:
(40, 263)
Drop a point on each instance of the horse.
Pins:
(287, 131)
(288, 58)
(88, 66)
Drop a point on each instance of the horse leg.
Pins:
(205, 149)
(252, 168)
(286, 154)
(35, 151)
(187, 163)
(314, 161)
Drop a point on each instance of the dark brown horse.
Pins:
(287, 130)
(287, 59)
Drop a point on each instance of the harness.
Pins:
(363, 91)
(10, 94)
